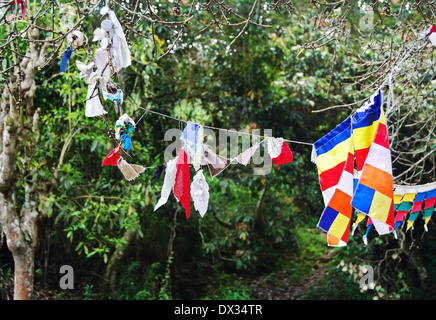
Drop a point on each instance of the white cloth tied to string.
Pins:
(86, 70)
(274, 146)
(192, 137)
(169, 181)
(76, 39)
(119, 48)
(102, 62)
(93, 104)
(101, 35)
(130, 171)
(93, 107)
(96, 79)
(244, 157)
(200, 192)
(215, 163)
(124, 119)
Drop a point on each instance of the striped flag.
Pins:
(415, 207)
(335, 163)
(414, 199)
(429, 207)
(374, 192)
(403, 204)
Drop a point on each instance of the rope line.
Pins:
(221, 129)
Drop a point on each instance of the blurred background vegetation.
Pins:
(258, 239)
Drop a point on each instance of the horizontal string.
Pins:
(221, 129)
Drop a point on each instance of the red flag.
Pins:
(112, 157)
(182, 185)
(23, 7)
(285, 156)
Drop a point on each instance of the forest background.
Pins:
(296, 67)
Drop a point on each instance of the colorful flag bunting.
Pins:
(374, 192)
(414, 199)
(429, 207)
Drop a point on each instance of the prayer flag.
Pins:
(182, 183)
(169, 181)
(335, 162)
(112, 157)
(66, 56)
(279, 151)
(429, 207)
(200, 192)
(374, 192)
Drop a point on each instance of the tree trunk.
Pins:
(23, 274)
(18, 119)
(117, 258)
(20, 234)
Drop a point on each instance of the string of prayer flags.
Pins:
(414, 199)
(363, 138)
(429, 207)
(414, 205)
(129, 171)
(113, 51)
(215, 163)
(432, 35)
(182, 184)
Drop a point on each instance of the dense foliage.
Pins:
(259, 237)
